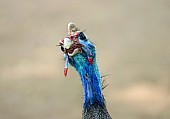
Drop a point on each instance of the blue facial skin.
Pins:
(89, 73)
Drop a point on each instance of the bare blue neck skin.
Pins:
(89, 74)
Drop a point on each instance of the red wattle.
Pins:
(65, 71)
(90, 60)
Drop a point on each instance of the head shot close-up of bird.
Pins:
(80, 53)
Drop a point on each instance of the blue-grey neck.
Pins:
(83, 59)
(89, 74)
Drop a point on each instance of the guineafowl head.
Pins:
(80, 53)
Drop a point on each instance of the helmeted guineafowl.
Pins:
(80, 53)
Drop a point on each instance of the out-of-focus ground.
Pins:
(132, 39)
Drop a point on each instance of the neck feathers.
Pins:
(90, 78)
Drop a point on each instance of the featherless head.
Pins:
(80, 53)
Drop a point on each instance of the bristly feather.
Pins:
(103, 81)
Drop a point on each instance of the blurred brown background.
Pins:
(132, 39)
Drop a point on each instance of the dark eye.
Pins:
(62, 48)
(82, 36)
